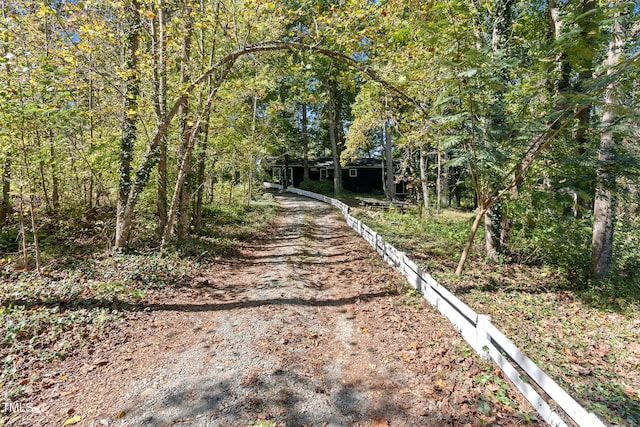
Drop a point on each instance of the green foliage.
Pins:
(554, 239)
(440, 236)
(627, 259)
(320, 187)
(9, 240)
(225, 228)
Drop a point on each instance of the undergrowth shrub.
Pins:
(554, 241)
(320, 187)
(627, 250)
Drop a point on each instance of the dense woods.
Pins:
(526, 112)
(135, 136)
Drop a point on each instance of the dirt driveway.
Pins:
(305, 328)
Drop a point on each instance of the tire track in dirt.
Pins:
(302, 329)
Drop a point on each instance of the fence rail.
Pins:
(476, 329)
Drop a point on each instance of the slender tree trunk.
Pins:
(388, 151)
(492, 230)
(495, 218)
(131, 40)
(250, 174)
(43, 183)
(439, 183)
(183, 169)
(204, 134)
(184, 132)
(469, 243)
(5, 206)
(43, 178)
(201, 165)
(32, 212)
(337, 167)
(160, 100)
(285, 173)
(305, 142)
(91, 125)
(200, 176)
(604, 204)
(446, 179)
(23, 232)
(383, 167)
(34, 231)
(424, 184)
(55, 181)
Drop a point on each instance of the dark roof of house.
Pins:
(327, 162)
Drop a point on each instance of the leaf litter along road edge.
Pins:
(308, 327)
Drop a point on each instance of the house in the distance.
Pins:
(363, 175)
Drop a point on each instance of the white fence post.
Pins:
(483, 339)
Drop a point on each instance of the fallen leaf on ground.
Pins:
(70, 392)
(73, 420)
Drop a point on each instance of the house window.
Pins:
(323, 174)
(276, 174)
(290, 176)
(353, 173)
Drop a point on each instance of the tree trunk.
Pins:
(604, 204)
(202, 162)
(472, 234)
(200, 175)
(91, 126)
(34, 231)
(492, 230)
(502, 21)
(337, 167)
(285, 173)
(183, 168)
(43, 178)
(5, 206)
(251, 171)
(388, 152)
(439, 183)
(32, 212)
(160, 101)
(424, 184)
(305, 142)
(131, 40)
(204, 138)
(55, 181)
(383, 167)
(23, 232)
(445, 179)
(184, 132)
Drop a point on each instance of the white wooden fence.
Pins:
(476, 329)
